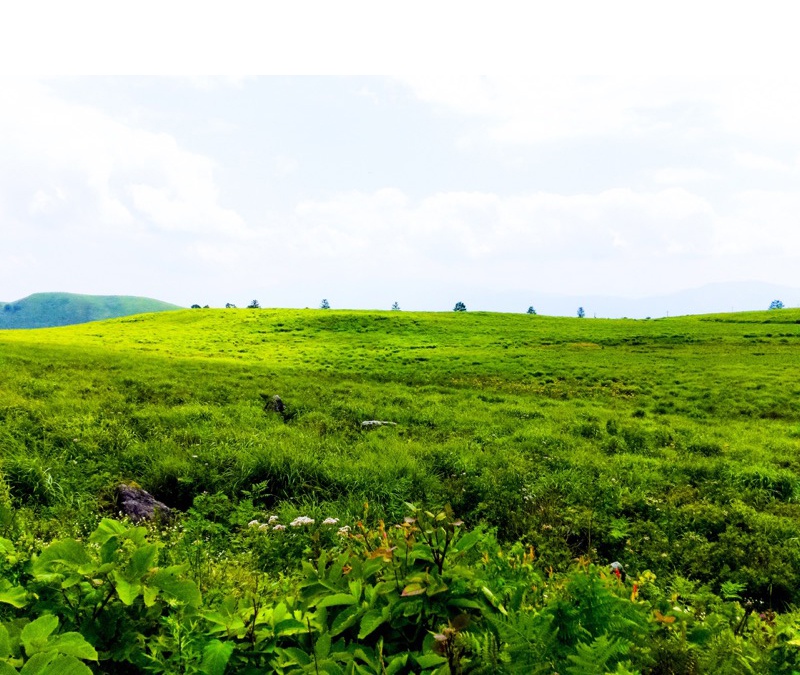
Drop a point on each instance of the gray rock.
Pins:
(273, 403)
(139, 505)
(369, 424)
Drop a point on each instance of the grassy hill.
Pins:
(670, 445)
(42, 310)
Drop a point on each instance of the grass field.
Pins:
(670, 445)
(525, 422)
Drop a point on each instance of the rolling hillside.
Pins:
(44, 310)
(668, 446)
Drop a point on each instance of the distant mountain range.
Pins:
(43, 310)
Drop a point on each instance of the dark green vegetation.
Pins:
(43, 310)
(562, 444)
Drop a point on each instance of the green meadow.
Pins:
(671, 446)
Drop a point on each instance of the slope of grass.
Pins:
(670, 445)
(42, 310)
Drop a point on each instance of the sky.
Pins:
(424, 153)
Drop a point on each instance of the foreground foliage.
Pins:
(425, 595)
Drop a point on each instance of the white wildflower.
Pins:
(330, 521)
(279, 527)
(273, 519)
(263, 527)
(253, 523)
(344, 531)
(302, 520)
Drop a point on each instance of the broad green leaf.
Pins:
(150, 595)
(38, 663)
(413, 589)
(13, 595)
(430, 660)
(182, 590)
(397, 664)
(356, 587)
(5, 642)
(105, 530)
(142, 560)
(6, 669)
(73, 644)
(370, 622)
(72, 580)
(289, 627)
(216, 656)
(108, 551)
(345, 619)
(34, 635)
(52, 663)
(468, 540)
(322, 647)
(279, 613)
(138, 535)
(337, 599)
(367, 656)
(371, 567)
(127, 591)
(6, 546)
(64, 553)
(298, 655)
(330, 668)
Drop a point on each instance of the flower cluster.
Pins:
(302, 520)
(273, 524)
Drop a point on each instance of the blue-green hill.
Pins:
(42, 310)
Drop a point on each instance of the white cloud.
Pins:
(577, 70)
(681, 176)
(285, 166)
(765, 223)
(613, 241)
(758, 162)
(485, 238)
(86, 169)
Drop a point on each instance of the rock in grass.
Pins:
(273, 403)
(370, 424)
(139, 505)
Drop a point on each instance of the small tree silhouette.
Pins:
(581, 313)
(396, 306)
(460, 307)
(776, 304)
(195, 306)
(324, 304)
(531, 311)
(254, 305)
(230, 305)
